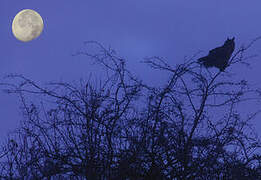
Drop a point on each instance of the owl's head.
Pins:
(230, 43)
(230, 40)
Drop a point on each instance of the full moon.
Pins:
(27, 25)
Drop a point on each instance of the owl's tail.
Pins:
(205, 61)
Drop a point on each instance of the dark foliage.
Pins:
(123, 129)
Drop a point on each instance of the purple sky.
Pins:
(171, 29)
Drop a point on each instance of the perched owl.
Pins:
(219, 56)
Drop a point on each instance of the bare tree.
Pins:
(121, 128)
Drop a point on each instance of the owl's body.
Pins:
(219, 56)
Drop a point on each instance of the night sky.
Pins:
(171, 29)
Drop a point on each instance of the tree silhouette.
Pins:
(122, 128)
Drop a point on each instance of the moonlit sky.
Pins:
(171, 29)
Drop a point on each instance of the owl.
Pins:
(219, 56)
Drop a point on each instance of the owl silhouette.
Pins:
(219, 56)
